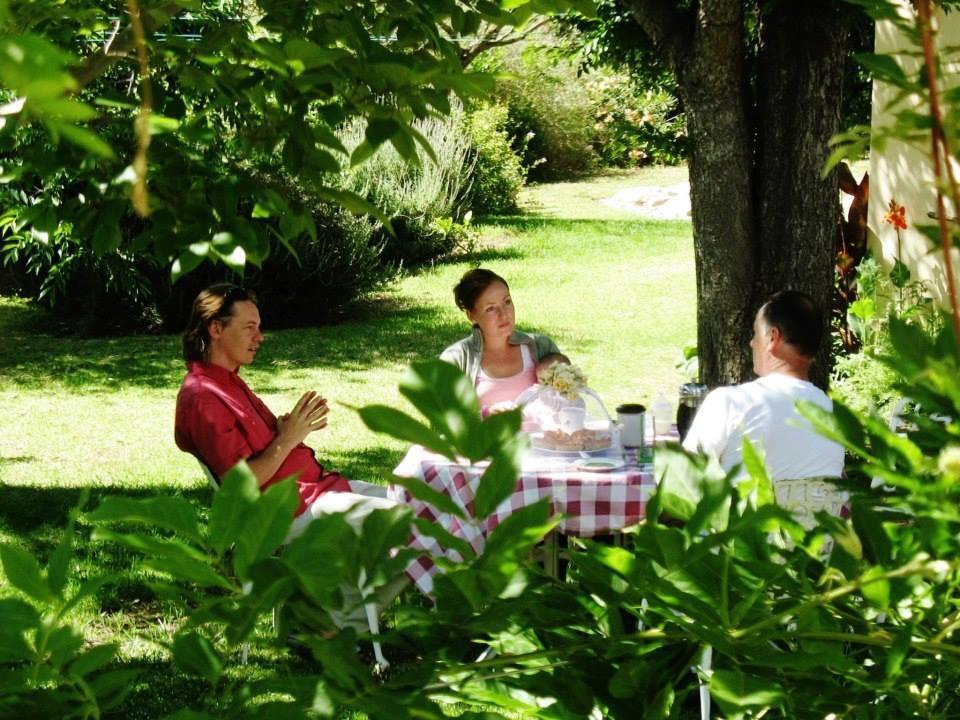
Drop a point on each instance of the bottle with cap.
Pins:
(662, 410)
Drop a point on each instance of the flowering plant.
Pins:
(567, 380)
(896, 217)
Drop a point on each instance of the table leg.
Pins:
(550, 554)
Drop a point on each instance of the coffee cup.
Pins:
(631, 419)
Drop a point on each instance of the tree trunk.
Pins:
(713, 90)
(763, 219)
(800, 92)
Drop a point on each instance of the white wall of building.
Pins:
(903, 171)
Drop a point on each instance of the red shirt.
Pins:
(221, 422)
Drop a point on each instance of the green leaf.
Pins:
(423, 492)
(354, 203)
(662, 704)
(169, 513)
(885, 68)
(269, 524)
(877, 548)
(736, 691)
(17, 618)
(23, 572)
(270, 204)
(876, 589)
(424, 143)
(383, 530)
(312, 55)
(67, 110)
(106, 233)
(520, 531)
(498, 482)
(93, 659)
(112, 687)
(195, 655)
(172, 557)
(81, 137)
(900, 274)
(447, 398)
(898, 652)
(500, 429)
(63, 643)
(404, 144)
(692, 489)
(160, 124)
(59, 564)
(232, 506)
(189, 260)
(361, 153)
(445, 538)
(759, 486)
(397, 424)
(379, 130)
(320, 574)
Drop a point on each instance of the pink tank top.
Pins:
(494, 390)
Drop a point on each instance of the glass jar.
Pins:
(691, 398)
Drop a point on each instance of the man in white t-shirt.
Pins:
(787, 333)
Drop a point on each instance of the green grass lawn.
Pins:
(615, 292)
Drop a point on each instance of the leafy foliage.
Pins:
(550, 119)
(634, 126)
(864, 631)
(498, 174)
(47, 668)
(232, 86)
(415, 197)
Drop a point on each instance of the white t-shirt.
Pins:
(765, 411)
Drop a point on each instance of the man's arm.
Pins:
(307, 416)
(708, 432)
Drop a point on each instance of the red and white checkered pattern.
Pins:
(590, 503)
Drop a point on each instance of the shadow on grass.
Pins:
(43, 511)
(382, 333)
(529, 223)
(373, 464)
(18, 459)
(486, 255)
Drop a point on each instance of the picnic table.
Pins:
(589, 503)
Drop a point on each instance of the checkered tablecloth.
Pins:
(590, 503)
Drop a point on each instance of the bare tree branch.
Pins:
(99, 62)
(496, 37)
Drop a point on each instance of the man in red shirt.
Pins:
(221, 421)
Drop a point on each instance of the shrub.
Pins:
(498, 173)
(550, 119)
(56, 268)
(414, 197)
(336, 256)
(635, 126)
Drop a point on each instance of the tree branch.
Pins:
(99, 62)
(669, 28)
(494, 39)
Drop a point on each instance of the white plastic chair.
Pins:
(804, 498)
(370, 607)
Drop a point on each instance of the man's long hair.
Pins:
(214, 303)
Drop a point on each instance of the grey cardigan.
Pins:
(466, 353)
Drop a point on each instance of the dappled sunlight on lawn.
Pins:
(616, 293)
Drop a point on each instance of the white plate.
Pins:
(600, 464)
